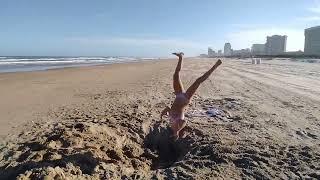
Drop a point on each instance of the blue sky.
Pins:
(148, 27)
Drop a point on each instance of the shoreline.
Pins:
(44, 67)
(301, 60)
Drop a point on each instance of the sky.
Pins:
(148, 28)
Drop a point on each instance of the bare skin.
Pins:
(177, 107)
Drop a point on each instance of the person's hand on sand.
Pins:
(179, 54)
(165, 112)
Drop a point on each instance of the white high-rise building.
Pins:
(258, 49)
(227, 49)
(211, 53)
(312, 41)
(276, 45)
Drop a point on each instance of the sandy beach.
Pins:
(103, 122)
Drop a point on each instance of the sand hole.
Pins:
(162, 149)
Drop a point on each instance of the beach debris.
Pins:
(213, 112)
(195, 113)
(216, 108)
(210, 112)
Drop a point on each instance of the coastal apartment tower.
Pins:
(211, 53)
(227, 49)
(258, 49)
(312, 41)
(276, 45)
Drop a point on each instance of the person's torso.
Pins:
(178, 106)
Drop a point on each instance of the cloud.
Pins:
(316, 8)
(140, 45)
(310, 18)
(245, 38)
(137, 42)
(243, 26)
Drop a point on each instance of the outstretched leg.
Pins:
(177, 85)
(192, 89)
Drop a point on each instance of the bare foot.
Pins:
(218, 63)
(180, 54)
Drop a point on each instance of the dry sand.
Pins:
(103, 122)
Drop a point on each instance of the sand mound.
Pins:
(77, 149)
(125, 141)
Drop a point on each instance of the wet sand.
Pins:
(103, 122)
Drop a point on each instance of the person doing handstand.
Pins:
(182, 99)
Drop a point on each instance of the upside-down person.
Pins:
(182, 99)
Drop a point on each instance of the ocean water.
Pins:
(36, 63)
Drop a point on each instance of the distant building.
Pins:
(258, 49)
(203, 55)
(276, 45)
(211, 53)
(242, 52)
(219, 52)
(312, 41)
(227, 49)
(294, 53)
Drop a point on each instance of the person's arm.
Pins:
(165, 112)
